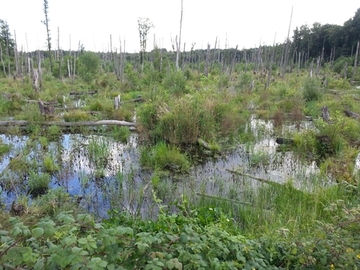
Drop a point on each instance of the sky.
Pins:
(245, 24)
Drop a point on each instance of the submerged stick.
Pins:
(256, 178)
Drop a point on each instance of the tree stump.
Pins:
(325, 114)
(46, 110)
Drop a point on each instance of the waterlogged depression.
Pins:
(106, 174)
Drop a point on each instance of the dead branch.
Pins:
(256, 178)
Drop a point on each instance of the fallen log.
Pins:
(83, 93)
(138, 99)
(207, 146)
(351, 114)
(22, 124)
(284, 141)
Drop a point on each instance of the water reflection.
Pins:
(120, 183)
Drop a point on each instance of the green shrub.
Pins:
(311, 90)
(341, 84)
(175, 82)
(89, 64)
(76, 115)
(54, 132)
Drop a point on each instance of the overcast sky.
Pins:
(245, 23)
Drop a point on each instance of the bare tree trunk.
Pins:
(69, 68)
(299, 64)
(2, 61)
(29, 67)
(118, 63)
(36, 80)
(214, 54)
(179, 44)
(345, 70)
(60, 58)
(39, 69)
(207, 60)
(355, 63)
(111, 52)
(272, 53)
(233, 62)
(16, 56)
(333, 58)
(311, 68)
(287, 48)
(318, 64)
(117, 102)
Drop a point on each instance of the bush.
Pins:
(76, 115)
(89, 64)
(175, 82)
(311, 90)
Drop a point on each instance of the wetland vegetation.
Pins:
(225, 162)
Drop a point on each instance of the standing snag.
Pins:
(144, 26)
(46, 110)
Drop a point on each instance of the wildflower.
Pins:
(332, 267)
(358, 256)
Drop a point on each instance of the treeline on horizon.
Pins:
(318, 43)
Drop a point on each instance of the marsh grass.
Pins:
(280, 207)
(98, 151)
(49, 164)
(4, 148)
(164, 157)
(38, 184)
(76, 115)
(121, 134)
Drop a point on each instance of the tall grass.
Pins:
(272, 208)
(164, 157)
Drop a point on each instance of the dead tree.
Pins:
(39, 69)
(325, 114)
(36, 85)
(207, 60)
(355, 63)
(47, 111)
(287, 49)
(178, 44)
(2, 62)
(233, 62)
(117, 102)
(16, 53)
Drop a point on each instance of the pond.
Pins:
(106, 174)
